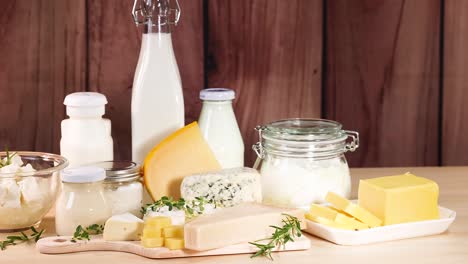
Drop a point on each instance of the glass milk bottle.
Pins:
(86, 136)
(157, 99)
(219, 127)
(82, 201)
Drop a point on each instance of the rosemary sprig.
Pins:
(282, 235)
(191, 208)
(14, 240)
(84, 233)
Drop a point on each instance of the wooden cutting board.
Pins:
(60, 245)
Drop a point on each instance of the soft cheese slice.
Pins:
(183, 153)
(401, 198)
(243, 223)
(352, 209)
(124, 227)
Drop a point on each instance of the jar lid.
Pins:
(217, 94)
(85, 104)
(120, 170)
(303, 137)
(83, 175)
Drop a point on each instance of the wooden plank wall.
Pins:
(393, 70)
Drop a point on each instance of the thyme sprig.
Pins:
(9, 157)
(192, 208)
(23, 237)
(288, 232)
(84, 233)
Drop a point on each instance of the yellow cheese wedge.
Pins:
(176, 231)
(183, 153)
(152, 242)
(174, 243)
(319, 213)
(352, 209)
(400, 199)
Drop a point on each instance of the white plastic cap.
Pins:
(217, 94)
(83, 175)
(85, 104)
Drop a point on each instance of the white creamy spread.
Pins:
(22, 199)
(124, 198)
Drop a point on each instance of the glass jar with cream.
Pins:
(82, 200)
(302, 160)
(123, 188)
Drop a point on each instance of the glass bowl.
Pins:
(26, 195)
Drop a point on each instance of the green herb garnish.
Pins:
(9, 157)
(282, 235)
(191, 208)
(84, 233)
(14, 240)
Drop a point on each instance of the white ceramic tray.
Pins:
(384, 233)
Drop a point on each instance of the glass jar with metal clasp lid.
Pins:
(301, 160)
(123, 187)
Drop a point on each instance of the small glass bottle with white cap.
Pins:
(82, 201)
(86, 136)
(219, 127)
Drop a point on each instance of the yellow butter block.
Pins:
(149, 232)
(352, 209)
(173, 231)
(152, 242)
(158, 222)
(174, 243)
(400, 199)
(327, 222)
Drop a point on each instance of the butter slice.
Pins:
(243, 223)
(400, 199)
(176, 231)
(352, 209)
(124, 227)
(333, 218)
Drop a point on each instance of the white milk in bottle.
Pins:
(86, 136)
(157, 99)
(219, 127)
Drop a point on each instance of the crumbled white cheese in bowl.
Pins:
(29, 183)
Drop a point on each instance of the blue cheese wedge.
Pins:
(226, 188)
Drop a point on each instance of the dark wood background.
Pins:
(394, 70)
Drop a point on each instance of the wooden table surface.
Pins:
(450, 247)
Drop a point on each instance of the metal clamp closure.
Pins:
(258, 147)
(354, 143)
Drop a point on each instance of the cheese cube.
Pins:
(173, 231)
(243, 223)
(158, 222)
(152, 242)
(174, 243)
(149, 232)
(354, 210)
(400, 199)
(124, 227)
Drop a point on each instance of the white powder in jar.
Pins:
(126, 197)
(298, 182)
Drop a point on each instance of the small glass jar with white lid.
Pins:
(123, 188)
(82, 200)
(302, 160)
